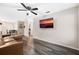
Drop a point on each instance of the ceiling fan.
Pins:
(28, 8)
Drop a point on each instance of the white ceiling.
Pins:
(8, 11)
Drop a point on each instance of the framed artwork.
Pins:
(47, 23)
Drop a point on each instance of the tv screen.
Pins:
(46, 23)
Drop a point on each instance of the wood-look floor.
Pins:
(45, 48)
(38, 47)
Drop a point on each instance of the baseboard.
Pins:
(58, 44)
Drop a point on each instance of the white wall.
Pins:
(29, 21)
(26, 28)
(64, 31)
(78, 27)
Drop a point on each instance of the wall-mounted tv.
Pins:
(47, 23)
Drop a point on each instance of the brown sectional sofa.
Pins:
(12, 47)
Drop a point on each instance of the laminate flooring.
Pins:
(45, 48)
(39, 47)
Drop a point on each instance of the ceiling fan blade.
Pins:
(35, 9)
(34, 13)
(21, 10)
(24, 5)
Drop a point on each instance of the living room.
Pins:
(24, 29)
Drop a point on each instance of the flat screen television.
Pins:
(47, 23)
